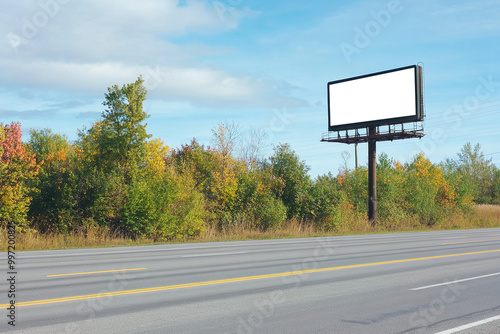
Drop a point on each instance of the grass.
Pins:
(483, 216)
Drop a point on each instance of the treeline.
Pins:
(115, 175)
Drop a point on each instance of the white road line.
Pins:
(214, 254)
(314, 242)
(453, 282)
(472, 324)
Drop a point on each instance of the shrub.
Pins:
(164, 208)
(256, 199)
(268, 211)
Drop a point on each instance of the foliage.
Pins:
(118, 140)
(115, 178)
(354, 184)
(225, 168)
(417, 190)
(199, 161)
(53, 207)
(427, 190)
(257, 200)
(495, 187)
(18, 168)
(156, 155)
(164, 207)
(391, 183)
(477, 172)
(330, 206)
(286, 165)
(215, 172)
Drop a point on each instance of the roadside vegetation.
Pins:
(116, 185)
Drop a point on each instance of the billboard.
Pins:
(388, 97)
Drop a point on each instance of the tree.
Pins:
(113, 152)
(164, 207)
(256, 199)
(428, 193)
(156, 156)
(330, 205)
(46, 145)
(119, 139)
(285, 164)
(495, 188)
(214, 169)
(224, 138)
(18, 168)
(252, 145)
(53, 207)
(198, 161)
(225, 169)
(477, 171)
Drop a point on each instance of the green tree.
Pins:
(164, 207)
(119, 139)
(53, 207)
(477, 171)
(390, 189)
(495, 187)
(330, 205)
(113, 153)
(199, 161)
(285, 164)
(215, 171)
(256, 200)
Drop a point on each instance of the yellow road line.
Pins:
(467, 242)
(239, 279)
(96, 272)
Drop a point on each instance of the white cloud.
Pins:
(84, 47)
(201, 86)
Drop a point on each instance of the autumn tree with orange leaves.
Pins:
(54, 204)
(17, 168)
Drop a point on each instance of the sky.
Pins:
(264, 65)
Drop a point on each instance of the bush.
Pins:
(391, 185)
(257, 203)
(428, 194)
(286, 165)
(354, 185)
(268, 211)
(164, 208)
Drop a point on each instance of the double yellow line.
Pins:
(239, 279)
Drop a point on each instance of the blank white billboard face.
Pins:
(376, 99)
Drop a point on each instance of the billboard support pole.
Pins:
(356, 153)
(372, 177)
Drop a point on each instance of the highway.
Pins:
(430, 282)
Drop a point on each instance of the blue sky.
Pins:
(262, 64)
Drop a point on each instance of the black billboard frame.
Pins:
(419, 105)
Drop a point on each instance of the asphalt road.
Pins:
(431, 282)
